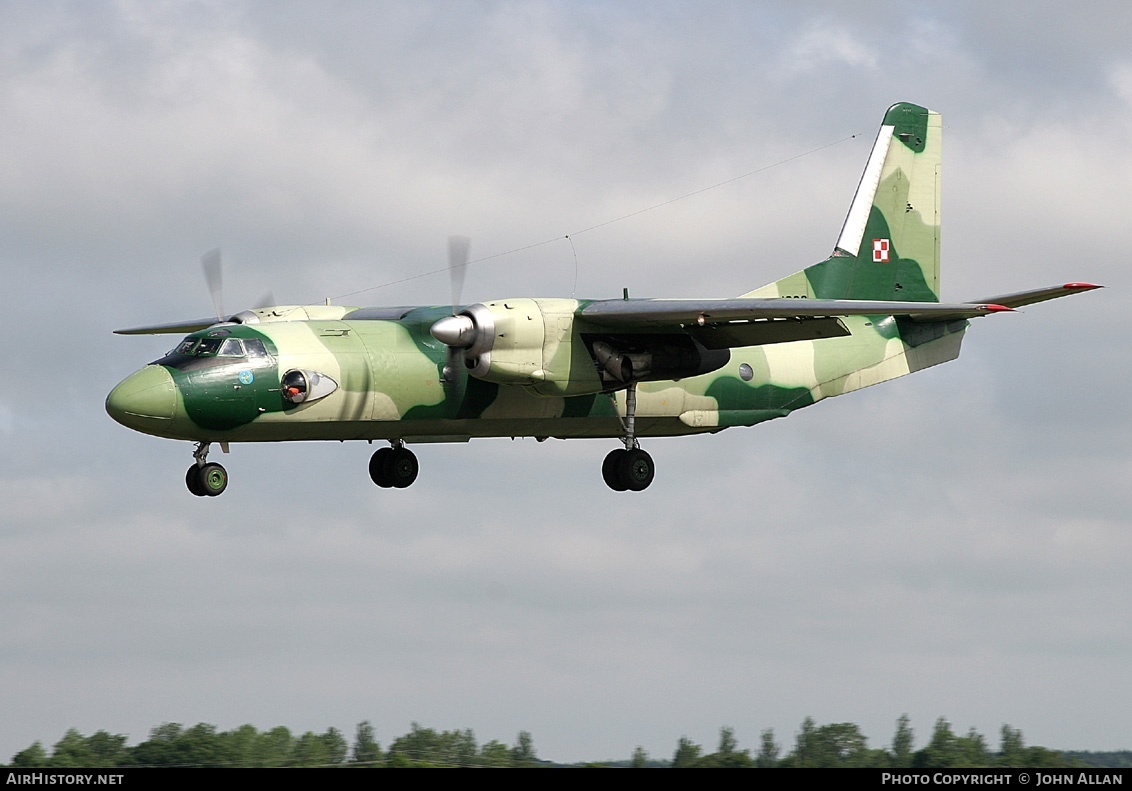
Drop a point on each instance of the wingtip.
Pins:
(993, 308)
(1081, 286)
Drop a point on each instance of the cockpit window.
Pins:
(208, 346)
(217, 345)
(232, 347)
(186, 346)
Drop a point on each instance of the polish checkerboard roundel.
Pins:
(880, 251)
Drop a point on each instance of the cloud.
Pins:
(1120, 78)
(824, 44)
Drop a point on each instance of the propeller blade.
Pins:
(214, 276)
(458, 247)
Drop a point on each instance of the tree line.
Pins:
(839, 744)
(202, 745)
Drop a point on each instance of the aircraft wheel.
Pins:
(192, 480)
(213, 479)
(637, 470)
(377, 465)
(401, 467)
(611, 470)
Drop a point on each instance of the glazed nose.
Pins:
(143, 399)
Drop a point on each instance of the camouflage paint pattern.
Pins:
(544, 380)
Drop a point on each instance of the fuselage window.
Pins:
(255, 347)
(294, 387)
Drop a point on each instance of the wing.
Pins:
(1018, 299)
(172, 328)
(1021, 298)
(263, 315)
(726, 323)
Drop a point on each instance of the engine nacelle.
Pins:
(540, 345)
(525, 342)
(532, 344)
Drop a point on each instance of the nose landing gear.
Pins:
(204, 478)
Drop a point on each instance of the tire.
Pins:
(193, 482)
(377, 464)
(637, 470)
(213, 479)
(611, 470)
(401, 468)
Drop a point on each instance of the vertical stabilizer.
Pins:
(889, 245)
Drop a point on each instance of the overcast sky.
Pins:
(954, 543)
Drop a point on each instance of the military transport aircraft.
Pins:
(618, 369)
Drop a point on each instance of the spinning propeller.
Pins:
(213, 267)
(214, 276)
(466, 333)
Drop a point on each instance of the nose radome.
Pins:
(143, 398)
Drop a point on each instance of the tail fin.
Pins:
(889, 246)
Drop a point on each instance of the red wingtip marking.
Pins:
(1079, 286)
(992, 308)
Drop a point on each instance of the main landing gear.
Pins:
(395, 467)
(628, 468)
(204, 478)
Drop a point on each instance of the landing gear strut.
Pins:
(628, 468)
(204, 478)
(395, 467)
